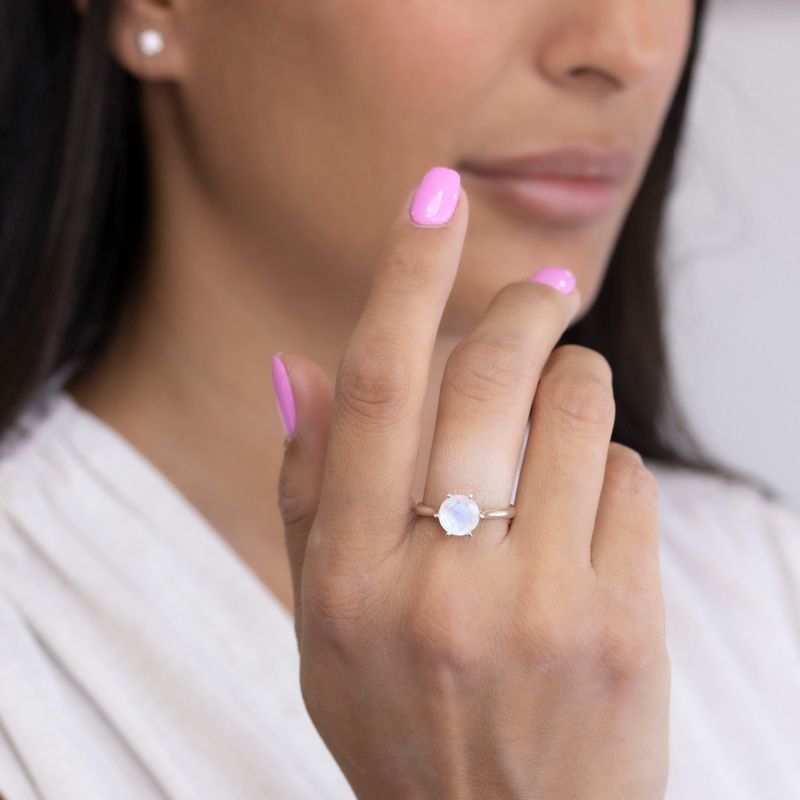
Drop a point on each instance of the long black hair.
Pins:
(72, 200)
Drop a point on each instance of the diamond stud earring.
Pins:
(151, 42)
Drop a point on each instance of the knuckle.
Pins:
(618, 452)
(578, 356)
(335, 610)
(590, 639)
(579, 395)
(296, 510)
(629, 643)
(373, 384)
(624, 657)
(440, 631)
(627, 473)
(486, 366)
(553, 634)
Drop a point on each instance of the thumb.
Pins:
(304, 398)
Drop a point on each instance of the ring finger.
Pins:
(486, 395)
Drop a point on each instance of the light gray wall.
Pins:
(733, 244)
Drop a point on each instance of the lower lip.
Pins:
(574, 201)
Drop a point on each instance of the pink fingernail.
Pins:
(283, 395)
(436, 197)
(557, 277)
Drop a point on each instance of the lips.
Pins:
(571, 185)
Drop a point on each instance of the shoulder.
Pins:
(37, 472)
(725, 534)
(706, 501)
(23, 452)
(33, 437)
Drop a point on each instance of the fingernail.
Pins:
(436, 197)
(557, 277)
(283, 395)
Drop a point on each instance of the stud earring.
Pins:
(151, 42)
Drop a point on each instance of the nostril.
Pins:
(592, 76)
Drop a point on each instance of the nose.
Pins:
(601, 46)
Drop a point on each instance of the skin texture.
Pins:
(283, 138)
(526, 661)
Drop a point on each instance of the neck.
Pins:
(186, 374)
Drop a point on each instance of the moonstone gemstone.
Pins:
(459, 515)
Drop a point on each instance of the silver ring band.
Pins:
(459, 514)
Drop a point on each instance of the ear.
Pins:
(129, 18)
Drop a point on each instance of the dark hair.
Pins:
(72, 200)
(626, 325)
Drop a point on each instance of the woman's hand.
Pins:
(527, 660)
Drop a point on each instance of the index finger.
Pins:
(383, 375)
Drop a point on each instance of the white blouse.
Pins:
(141, 659)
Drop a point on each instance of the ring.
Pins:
(459, 514)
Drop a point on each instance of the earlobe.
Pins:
(142, 38)
(151, 42)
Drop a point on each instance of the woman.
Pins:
(195, 191)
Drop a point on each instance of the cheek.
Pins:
(655, 104)
(394, 78)
(354, 98)
(677, 25)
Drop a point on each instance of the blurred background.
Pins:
(732, 259)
